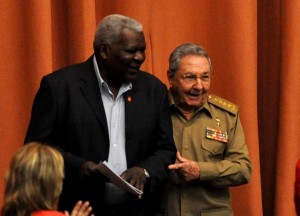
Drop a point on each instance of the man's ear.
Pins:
(103, 51)
(170, 76)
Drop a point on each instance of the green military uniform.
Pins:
(214, 138)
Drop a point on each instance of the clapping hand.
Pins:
(81, 209)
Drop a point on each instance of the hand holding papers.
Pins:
(117, 180)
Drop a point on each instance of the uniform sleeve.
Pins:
(235, 169)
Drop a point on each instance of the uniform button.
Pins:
(186, 147)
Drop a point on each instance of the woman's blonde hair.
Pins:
(34, 180)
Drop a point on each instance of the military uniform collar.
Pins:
(204, 108)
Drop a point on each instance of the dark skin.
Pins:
(119, 63)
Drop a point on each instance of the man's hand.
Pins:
(88, 169)
(81, 209)
(136, 177)
(187, 170)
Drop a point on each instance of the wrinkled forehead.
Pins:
(129, 35)
(195, 62)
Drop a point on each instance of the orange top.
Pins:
(47, 213)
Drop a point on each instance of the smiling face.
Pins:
(125, 57)
(191, 82)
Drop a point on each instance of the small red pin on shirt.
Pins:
(129, 99)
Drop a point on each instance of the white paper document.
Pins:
(117, 180)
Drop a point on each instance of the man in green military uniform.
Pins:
(212, 153)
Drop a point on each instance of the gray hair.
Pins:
(109, 29)
(185, 50)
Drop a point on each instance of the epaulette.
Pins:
(224, 104)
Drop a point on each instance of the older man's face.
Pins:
(191, 82)
(126, 56)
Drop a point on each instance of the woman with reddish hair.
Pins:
(34, 183)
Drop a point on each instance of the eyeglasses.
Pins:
(192, 78)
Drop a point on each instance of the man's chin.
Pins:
(130, 76)
(195, 105)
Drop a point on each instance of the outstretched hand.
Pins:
(187, 170)
(81, 209)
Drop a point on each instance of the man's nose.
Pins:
(198, 83)
(139, 56)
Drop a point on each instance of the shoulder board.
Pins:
(223, 104)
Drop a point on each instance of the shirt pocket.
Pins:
(213, 149)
